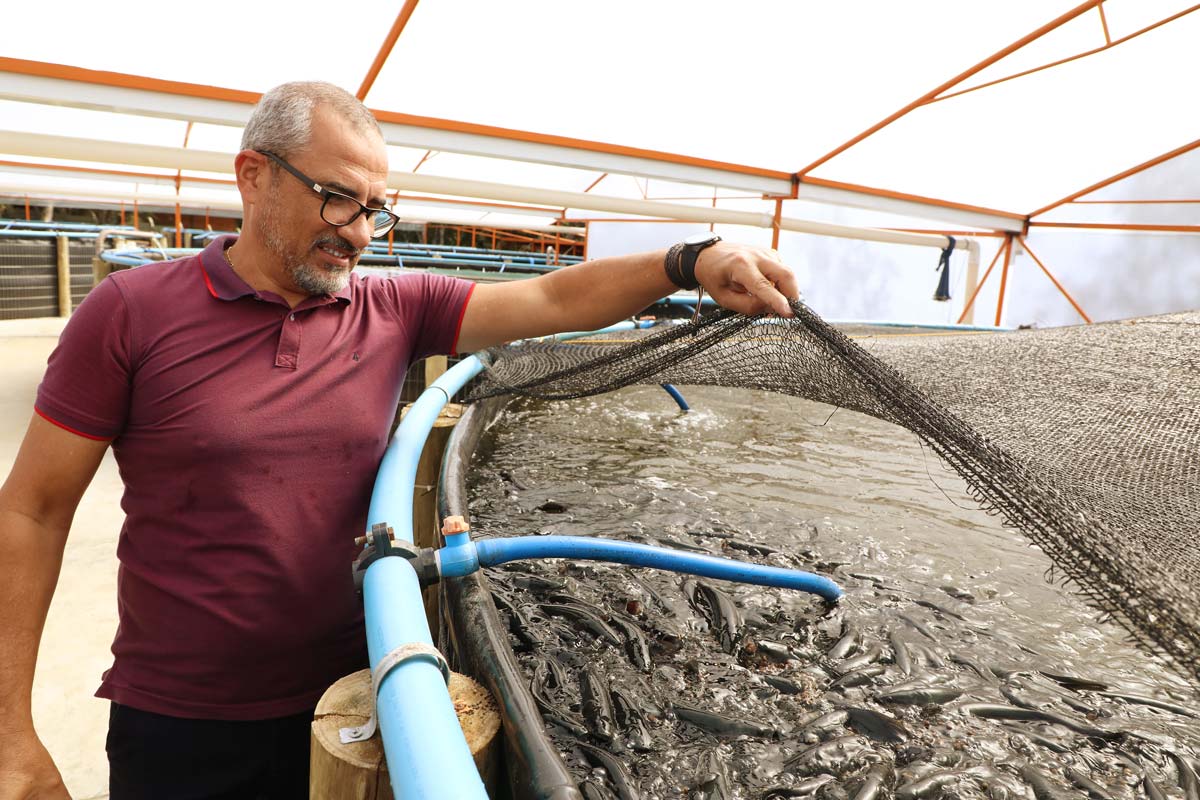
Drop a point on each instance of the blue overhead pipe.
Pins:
(461, 557)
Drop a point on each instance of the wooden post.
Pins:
(64, 276)
(358, 771)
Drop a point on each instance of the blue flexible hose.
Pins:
(676, 396)
(499, 551)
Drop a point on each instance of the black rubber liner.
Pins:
(475, 640)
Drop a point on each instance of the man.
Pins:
(247, 393)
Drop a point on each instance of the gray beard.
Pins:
(312, 279)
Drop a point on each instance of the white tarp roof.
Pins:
(674, 99)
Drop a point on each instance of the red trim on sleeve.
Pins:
(207, 282)
(68, 428)
(462, 315)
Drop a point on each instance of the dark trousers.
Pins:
(155, 757)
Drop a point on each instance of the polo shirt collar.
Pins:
(225, 284)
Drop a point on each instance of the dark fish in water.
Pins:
(749, 547)
(595, 791)
(1093, 789)
(631, 720)
(871, 654)
(876, 725)
(663, 605)
(721, 724)
(1151, 788)
(1038, 739)
(835, 757)
(1026, 699)
(518, 624)
(1153, 702)
(585, 618)
(596, 706)
(536, 583)
(803, 789)
(1188, 781)
(919, 626)
(815, 730)
(676, 544)
(552, 507)
(859, 677)
(618, 775)
(1043, 789)
(873, 784)
(779, 653)
(516, 484)
(844, 645)
(1076, 683)
(975, 667)
(922, 696)
(940, 609)
(635, 643)
(550, 712)
(712, 779)
(718, 608)
(929, 786)
(988, 711)
(900, 653)
(782, 685)
(929, 656)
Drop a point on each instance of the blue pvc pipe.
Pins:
(490, 552)
(676, 396)
(427, 756)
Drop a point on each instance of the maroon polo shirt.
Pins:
(247, 435)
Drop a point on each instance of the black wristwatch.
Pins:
(681, 259)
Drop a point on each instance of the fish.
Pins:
(550, 712)
(722, 725)
(814, 730)
(582, 615)
(1153, 702)
(749, 547)
(635, 643)
(919, 626)
(988, 711)
(876, 725)
(718, 608)
(631, 720)
(872, 653)
(596, 706)
(712, 779)
(782, 685)
(835, 757)
(1043, 789)
(900, 653)
(1093, 789)
(620, 777)
(1076, 683)
(921, 696)
(873, 784)
(1038, 739)
(928, 786)
(859, 677)
(595, 791)
(1188, 781)
(805, 788)
(845, 645)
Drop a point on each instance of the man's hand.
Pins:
(750, 280)
(26, 770)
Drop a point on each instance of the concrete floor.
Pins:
(83, 617)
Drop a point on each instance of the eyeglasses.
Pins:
(340, 209)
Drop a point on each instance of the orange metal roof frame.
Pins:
(123, 80)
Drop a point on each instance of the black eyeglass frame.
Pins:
(327, 194)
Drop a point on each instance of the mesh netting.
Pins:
(1085, 438)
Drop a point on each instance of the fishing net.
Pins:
(1087, 439)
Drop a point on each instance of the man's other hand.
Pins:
(749, 280)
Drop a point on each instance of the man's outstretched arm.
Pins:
(37, 504)
(597, 293)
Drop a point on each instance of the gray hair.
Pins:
(281, 122)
